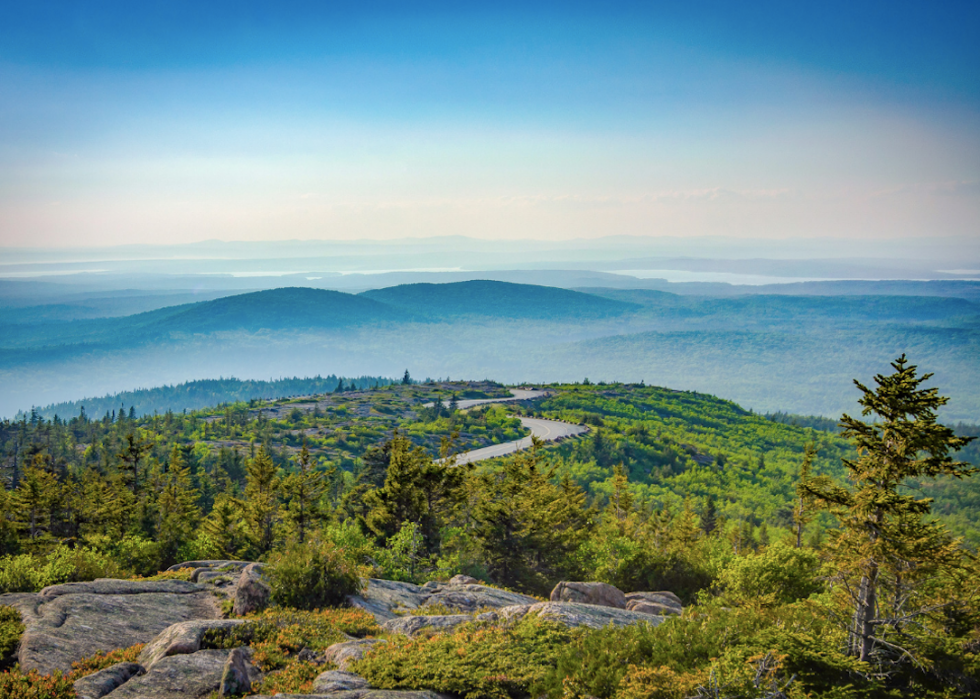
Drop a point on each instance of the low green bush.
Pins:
(778, 575)
(11, 629)
(474, 662)
(313, 575)
(32, 572)
(277, 634)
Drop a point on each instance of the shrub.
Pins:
(21, 574)
(711, 651)
(277, 634)
(31, 572)
(778, 575)
(33, 685)
(15, 684)
(313, 575)
(103, 659)
(10, 630)
(475, 662)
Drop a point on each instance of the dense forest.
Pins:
(195, 395)
(749, 518)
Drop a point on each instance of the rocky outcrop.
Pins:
(347, 652)
(182, 639)
(414, 625)
(463, 580)
(64, 623)
(99, 684)
(238, 673)
(666, 601)
(363, 694)
(253, 593)
(191, 676)
(338, 681)
(386, 599)
(573, 614)
(596, 593)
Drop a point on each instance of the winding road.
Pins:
(545, 430)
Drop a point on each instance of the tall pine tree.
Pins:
(887, 545)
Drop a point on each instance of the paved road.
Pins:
(516, 394)
(546, 430)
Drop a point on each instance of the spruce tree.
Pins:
(417, 489)
(177, 508)
(802, 513)
(225, 527)
(261, 500)
(887, 546)
(34, 497)
(304, 489)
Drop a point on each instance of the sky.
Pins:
(176, 122)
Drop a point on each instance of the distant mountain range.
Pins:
(793, 353)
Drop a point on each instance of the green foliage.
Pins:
(888, 552)
(32, 572)
(34, 685)
(417, 490)
(10, 630)
(276, 637)
(313, 575)
(778, 575)
(474, 662)
(707, 650)
(528, 527)
(15, 684)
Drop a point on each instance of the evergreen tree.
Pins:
(261, 505)
(132, 456)
(709, 517)
(804, 500)
(416, 489)
(225, 527)
(34, 497)
(406, 379)
(887, 545)
(527, 527)
(304, 489)
(177, 508)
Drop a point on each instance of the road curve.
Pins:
(516, 394)
(545, 430)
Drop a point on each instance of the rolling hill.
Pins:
(498, 300)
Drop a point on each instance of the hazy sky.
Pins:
(161, 122)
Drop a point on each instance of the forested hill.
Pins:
(195, 395)
(498, 299)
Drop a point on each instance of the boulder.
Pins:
(383, 598)
(238, 673)
(253, 593)
(469, 598)
(463, 580)
(209, 564)
(97, 685)
(181, 639)
(596, 593)
(192, 676)
(338, 681)
(71, 621)
(346, 652)
(363, 694)
(414, 625)
(386, 599)
(574, 614)
(644, 607)
(667, 599)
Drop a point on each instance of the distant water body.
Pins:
(676, 275)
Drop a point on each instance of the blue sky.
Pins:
(173, 122)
